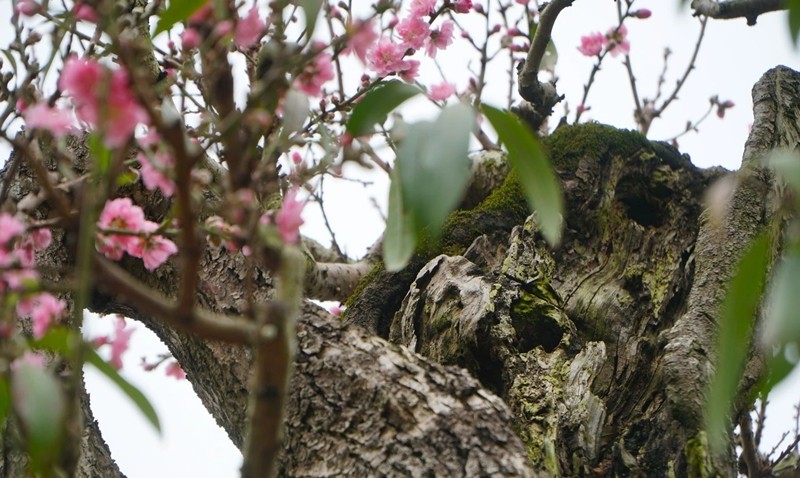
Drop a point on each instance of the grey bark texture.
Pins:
(588, 360)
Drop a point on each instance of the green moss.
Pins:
(364, 282)
(697, 456)
(569, 144)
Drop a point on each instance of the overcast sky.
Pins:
(732, 59)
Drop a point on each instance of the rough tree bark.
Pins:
(588, 360)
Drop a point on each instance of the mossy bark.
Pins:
(604, 346)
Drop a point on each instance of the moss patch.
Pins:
(569, 144)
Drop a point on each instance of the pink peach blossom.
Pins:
(117, 112)
(440, 38)
(386, 57)
(441, 91)
(249, 29)
(174, 369)
(153, 249)
(85, 12)
(10, 228)
(153, 172)
(592, 44)
(120, 342)
(463, 6)
(57, 121)
(414, 31)
(616, 41)
(45, 309)
(409, 70)
(190, 39)
(316, 73)
(422, 7)
(28, 8)
(120, 214)
(288, 219)
(362, 38)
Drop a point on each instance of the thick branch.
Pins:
(749, 9)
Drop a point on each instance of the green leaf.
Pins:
(132, 392)
(781, 329)
(736, 320)
(311, 9)
(5, 400)
(782, 324)
(377, 104)
(434, 168)
(786, 163)
(59, 340)
(40, 408)
(400, 238)
(550, 57)
(794, 19)
(535, 174)
(100, 153)
(177, 11)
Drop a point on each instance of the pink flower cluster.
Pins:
(18, 275)
(615, 41)
(388, 56)
(102, 99)
(136, 235)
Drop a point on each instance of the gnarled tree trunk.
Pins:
(587, 360)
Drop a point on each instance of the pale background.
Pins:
(731, 60)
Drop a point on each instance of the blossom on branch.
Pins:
(43, 309)
(56, 121)
(440, 38)
(249, 29)
(102, 99)
(288, 219)
(316, 73)
(414, 31)
(362, 37)
(592, 44)
(441, 91)
(120, 342)
(616, 41)
(386, 57)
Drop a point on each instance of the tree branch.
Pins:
(749, 9)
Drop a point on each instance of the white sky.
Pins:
(732, 59)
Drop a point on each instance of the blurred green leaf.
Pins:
(794, 19)
(535, 174)
(434, 167)
(5, 400)
(550, 57)
(782, 323)
(736, 320)
(311, 9)
(59, 340)
(38, 403)
(132, 392)
(786, 163)
(400, 238)
(100, 153)
(781, 330)
(376, 104)
(778, 367)
(177, 11)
